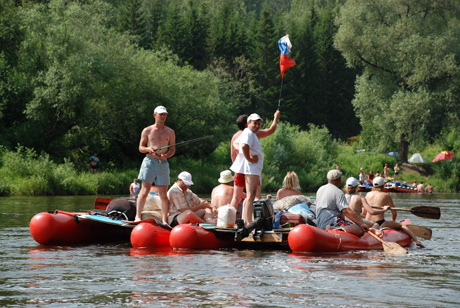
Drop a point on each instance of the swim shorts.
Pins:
(154, 171)
(239, 180)
(340, 222)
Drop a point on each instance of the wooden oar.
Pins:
(432, 212)
(390, 247)
(101, 203)
(420, 231)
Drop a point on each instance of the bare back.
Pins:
(222, 195)
(355, 203)
(379, 198)
(286, 192)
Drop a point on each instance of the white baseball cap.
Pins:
(254, 117)
(160, 109)
(185, 177)
(352, 182)
(378, 181)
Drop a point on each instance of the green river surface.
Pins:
(117, 275)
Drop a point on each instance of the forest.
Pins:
(79, 77)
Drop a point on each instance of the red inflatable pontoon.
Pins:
(188, 236)
(147, 235)
(306, 238)
(65, 228)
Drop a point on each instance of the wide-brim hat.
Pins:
(225, 176)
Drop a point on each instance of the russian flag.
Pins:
(285, 47)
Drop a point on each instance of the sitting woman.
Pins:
(357, 203)
(290, 187)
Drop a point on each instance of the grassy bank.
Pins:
(310, 153)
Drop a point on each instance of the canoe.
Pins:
(306, 238)
(61, 228)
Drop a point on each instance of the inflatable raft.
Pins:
(306, 238)
(61, 228)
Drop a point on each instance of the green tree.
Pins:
(265, 56)
(410, 50)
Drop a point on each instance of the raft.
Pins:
(60, 228)
(65, 228)
(306, 238)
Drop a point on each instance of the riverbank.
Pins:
(26, 174)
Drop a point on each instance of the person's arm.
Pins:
(131, 190)
(394, 213)
(267, 132)
(354, 218)
(369, 209)
(169, 151)
(250, 158)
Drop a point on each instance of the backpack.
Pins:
(121, 209)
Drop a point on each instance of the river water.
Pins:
(118, 275)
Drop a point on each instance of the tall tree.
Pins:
(411, 51)
(132, 20)
(265, 56)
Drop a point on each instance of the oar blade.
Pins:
(101, 203)
(432, 212)
(420, 231)
(393, 248)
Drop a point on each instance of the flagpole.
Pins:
(281, 90)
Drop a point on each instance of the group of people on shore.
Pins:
(179, 204)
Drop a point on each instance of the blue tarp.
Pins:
(395, 154)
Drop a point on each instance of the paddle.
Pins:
(390, 247)
(421, 211)
(101, 203)
(420, 231)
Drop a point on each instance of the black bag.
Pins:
(263, 208)
(121, 209)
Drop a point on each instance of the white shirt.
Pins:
(241, 164)
(330, 201)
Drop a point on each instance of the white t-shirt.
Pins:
(330, 201)
(241, 164)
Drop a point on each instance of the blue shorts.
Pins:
(154, 171)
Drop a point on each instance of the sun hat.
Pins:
(185, 177)
(352, 182)
(378, 181)
(225, 176)
(254, 117)
(160, 109)
(334, 174)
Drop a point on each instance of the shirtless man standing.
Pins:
(377, 197)
(155, 167)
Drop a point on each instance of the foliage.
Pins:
(410, 51)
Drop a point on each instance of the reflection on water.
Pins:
(119, 275)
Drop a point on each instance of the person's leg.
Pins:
(397, 226)
(143, 193)
(252, 181)
(164, 202)
(189, 217)
(353, 229)
(237, 196)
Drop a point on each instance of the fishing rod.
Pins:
(184, 142)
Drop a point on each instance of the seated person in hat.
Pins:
(377, 197)
(222, 194)
(332, 207)
(290, 187)
(357, 203)
(185, 206)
